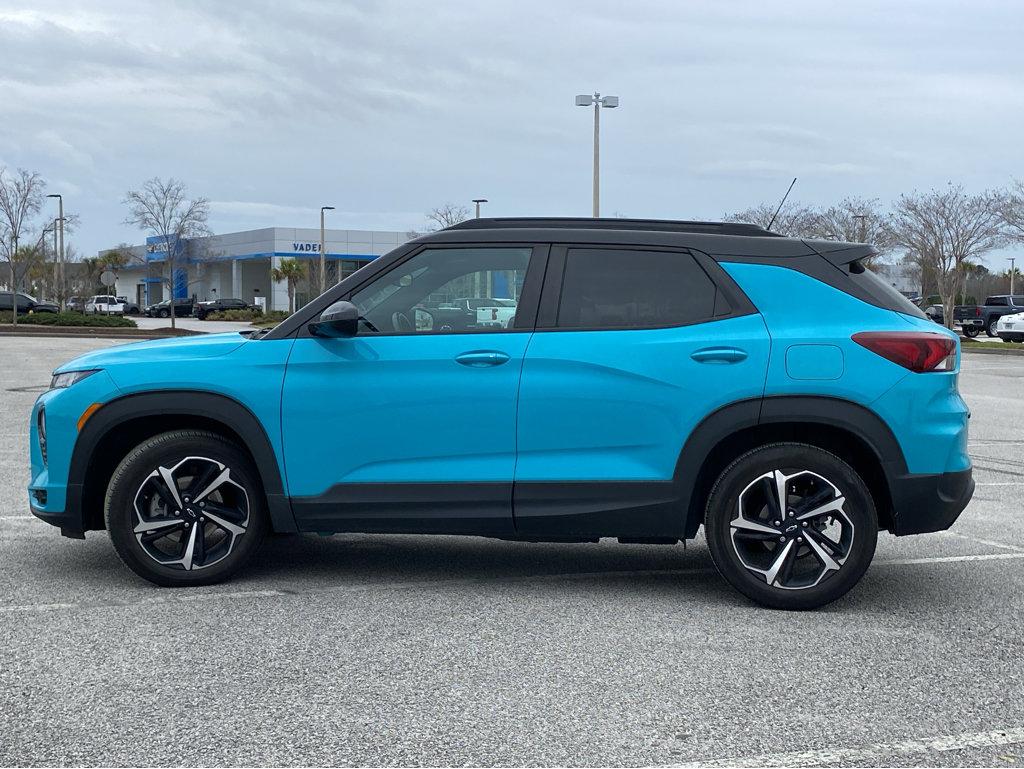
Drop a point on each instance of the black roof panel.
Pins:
(587, 223)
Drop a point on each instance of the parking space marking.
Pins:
(980, 541)
(188, 597)
(879, 755)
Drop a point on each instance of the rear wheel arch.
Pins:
(121, 425)
(852, 432)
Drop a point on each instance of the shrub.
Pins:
(70, 319)
(234, 315)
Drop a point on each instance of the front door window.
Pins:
(446, 290)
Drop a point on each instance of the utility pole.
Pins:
(323, 256)
(14, 283)
(585, 100)
(60, 255)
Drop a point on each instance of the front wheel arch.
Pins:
(121, 425)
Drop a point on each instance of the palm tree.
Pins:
(292, 271)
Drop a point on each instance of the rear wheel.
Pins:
(791, 526)
(186, 508)
(971, 331)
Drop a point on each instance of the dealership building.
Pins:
(238, 265)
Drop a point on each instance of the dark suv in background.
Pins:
(26, 304)
(202, 309)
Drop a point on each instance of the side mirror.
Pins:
(339, 321)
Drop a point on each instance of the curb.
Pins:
(93, 332)
(994, 350)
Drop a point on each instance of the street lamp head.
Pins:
(326, 208)
(609, 101)
(584, 100)
(53, 195)
(479, 200)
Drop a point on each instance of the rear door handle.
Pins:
(482, 358)
(719, 355)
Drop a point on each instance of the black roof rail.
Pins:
(587, 223)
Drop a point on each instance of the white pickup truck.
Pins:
(489, 310)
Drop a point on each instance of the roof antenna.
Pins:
(781, 204)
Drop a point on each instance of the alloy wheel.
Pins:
(191, 515)
(791, 529)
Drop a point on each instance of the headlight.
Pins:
(68, 378)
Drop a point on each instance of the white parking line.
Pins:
(189, 597)
(878, 755)
(980, 541)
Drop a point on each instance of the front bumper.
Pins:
(929, 502)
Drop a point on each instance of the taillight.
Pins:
(916, 350)
(977, 312)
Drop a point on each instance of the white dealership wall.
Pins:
(237, 264)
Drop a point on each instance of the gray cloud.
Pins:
(386, 108)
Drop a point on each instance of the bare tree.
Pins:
(794, 220)
(447, 215)
(855, 220)
(162, 209)
(947, 229)
(21, 198)
(1010, 205)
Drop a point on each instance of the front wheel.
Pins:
(163, 314)
(990, 329)
(791, 526)
(186, 508)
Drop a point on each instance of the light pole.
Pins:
(585, 100)
(478, 201)
(1013, 261)
(60, 255)
(323, 256)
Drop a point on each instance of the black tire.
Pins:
(971, 331)
(990, 329)
(806, 466)
(225, 552)
(163, 314)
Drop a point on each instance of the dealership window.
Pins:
(632, 288)
(447, 290)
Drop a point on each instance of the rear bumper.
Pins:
(924, 503)
(980, 322)
(1011, 336)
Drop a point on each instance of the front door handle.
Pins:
(719, 355)
(482, 358)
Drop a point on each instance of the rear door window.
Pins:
(609, 288)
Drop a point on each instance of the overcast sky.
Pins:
(387, 109)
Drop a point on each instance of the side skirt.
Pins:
(543, 512)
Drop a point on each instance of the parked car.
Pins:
(104, 305)
(202, 309)
(76, 304)
(489, 310)
(182, 309)
(659, 376)
(935, 312)
(1010, 328)
(26, 304)
(977, 318)
(130, 307)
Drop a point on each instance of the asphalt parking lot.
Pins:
(463, 651)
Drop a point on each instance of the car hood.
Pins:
(158, 351)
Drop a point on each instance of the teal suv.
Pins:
(555, 380)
